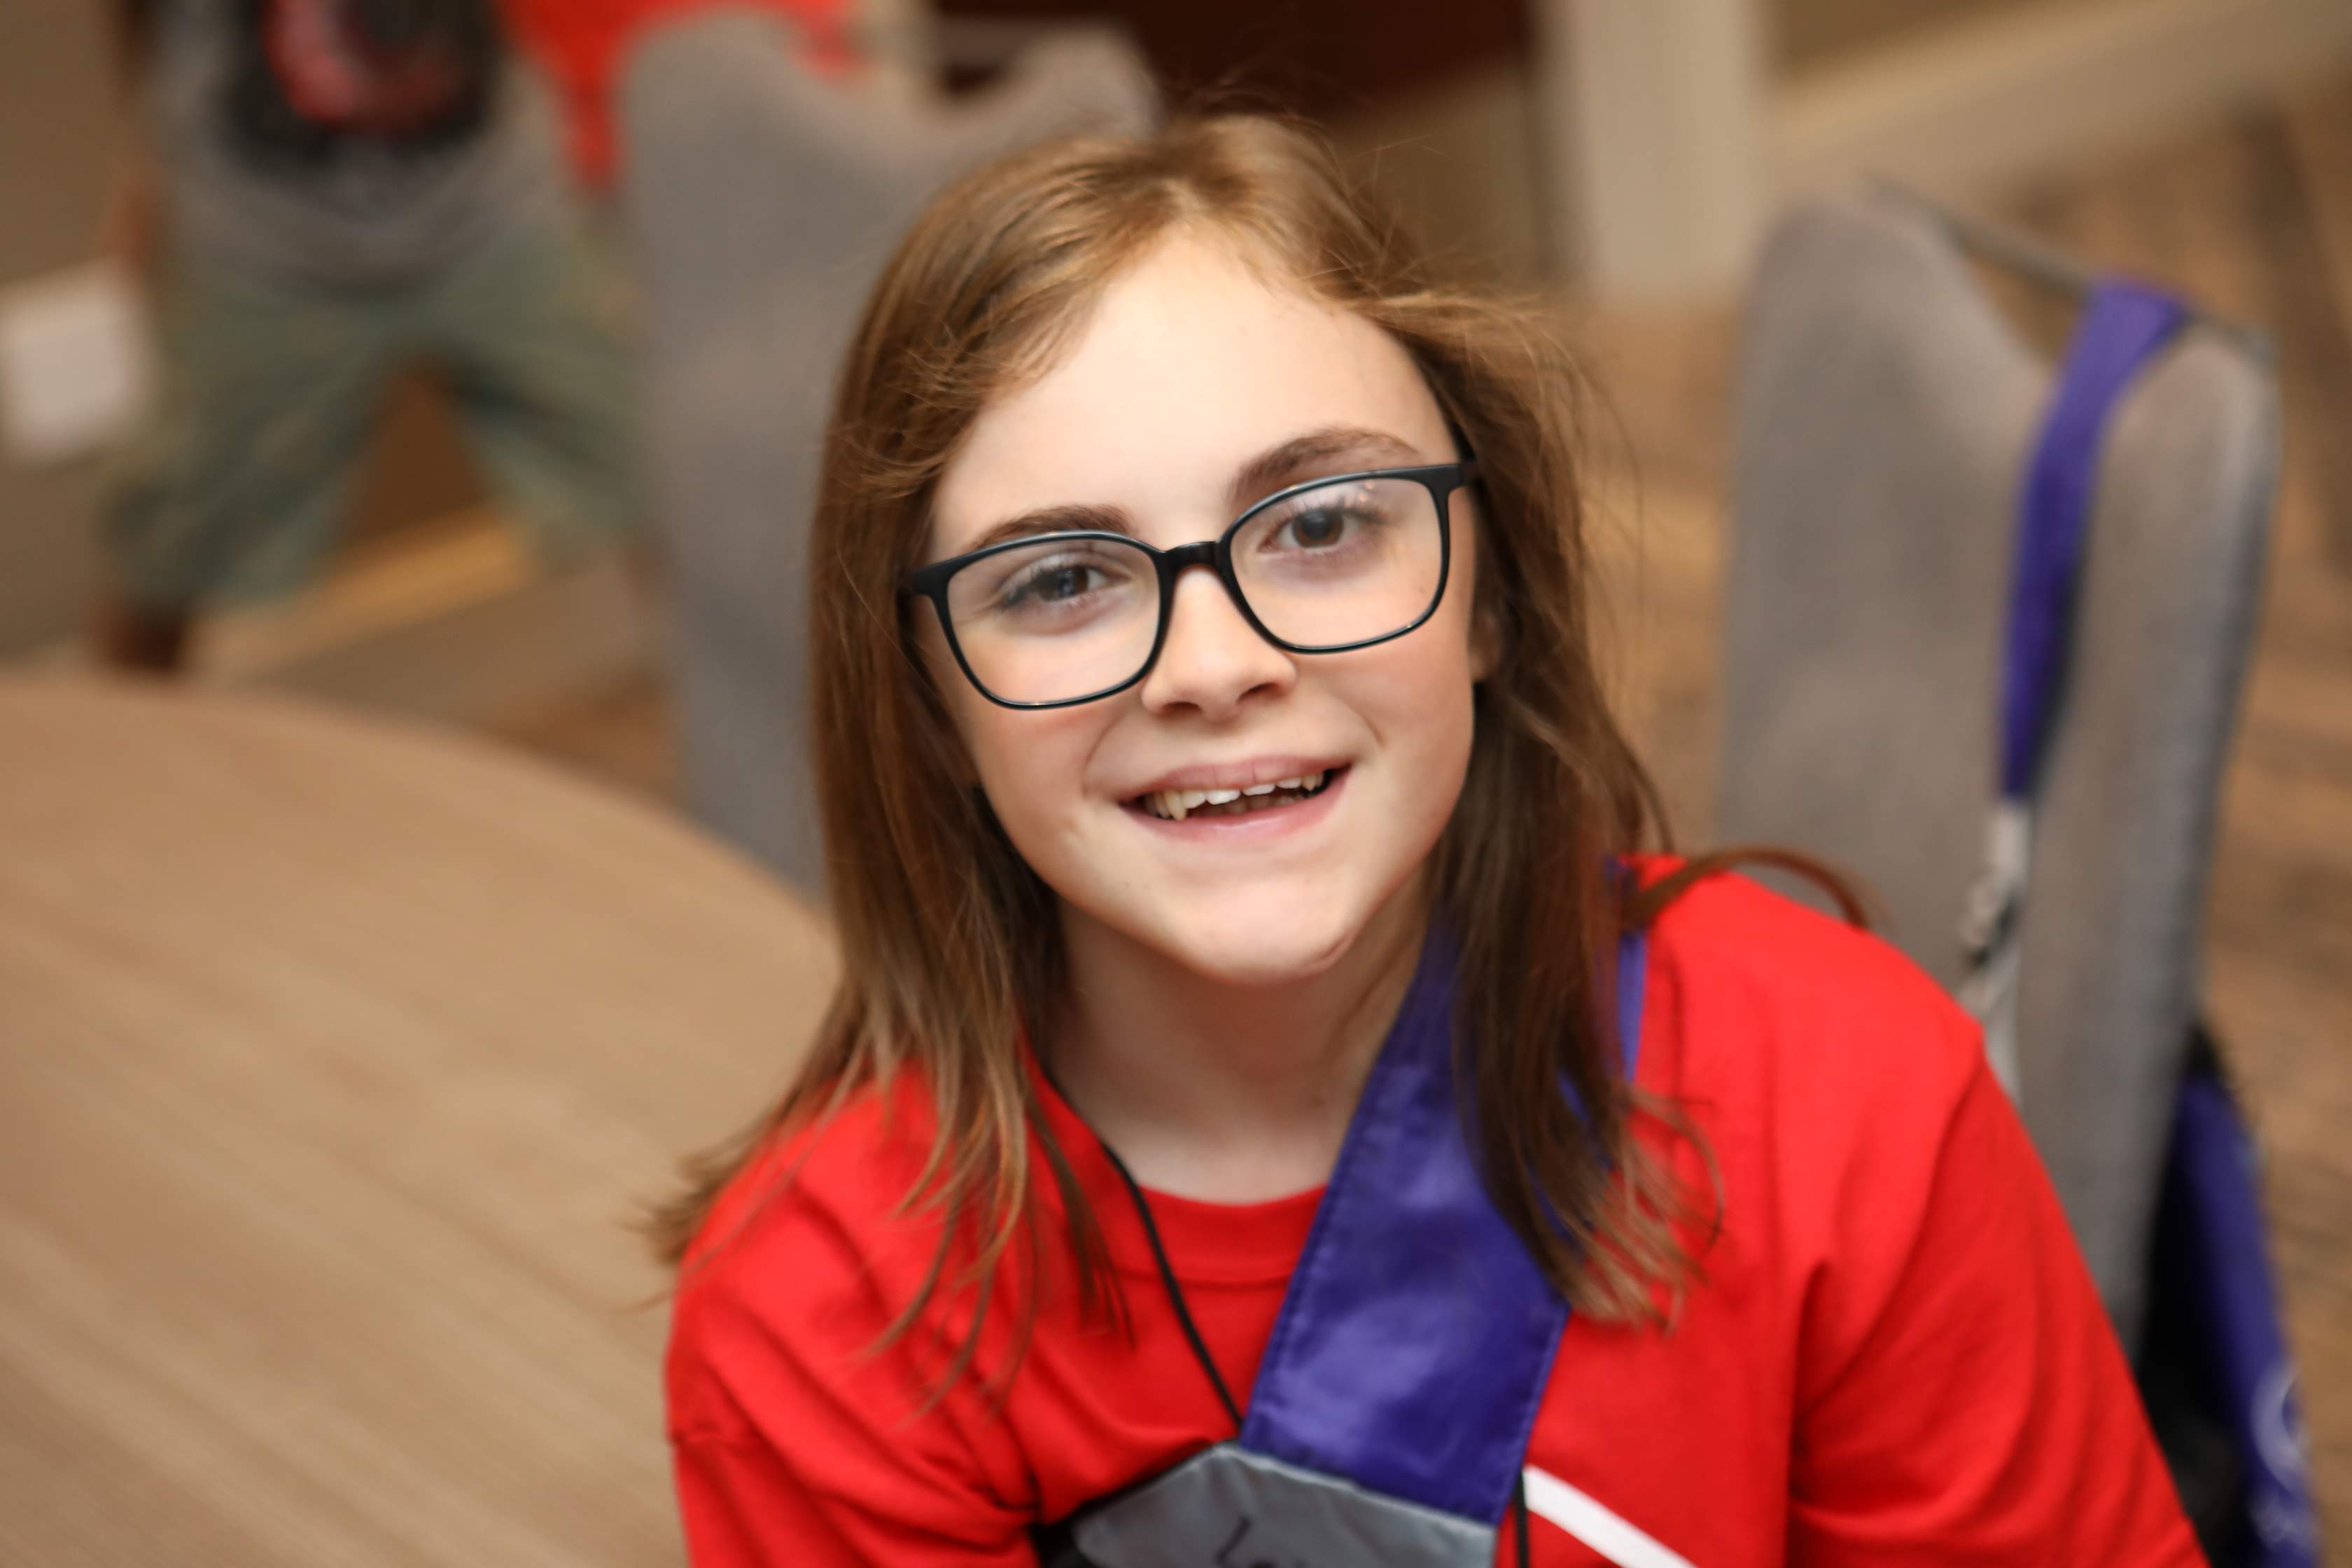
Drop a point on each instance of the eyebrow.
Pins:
(1270, 470)
(1072, 518)
(1276, 467)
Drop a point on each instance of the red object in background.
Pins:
(582, 45)
(336, 71)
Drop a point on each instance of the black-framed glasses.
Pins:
(1326, 566)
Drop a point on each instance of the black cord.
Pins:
(1217, 1379)
(1175, 1292)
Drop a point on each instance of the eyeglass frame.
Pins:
(1440, 480)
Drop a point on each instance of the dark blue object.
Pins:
(1417, 1338)
(2210, 1258)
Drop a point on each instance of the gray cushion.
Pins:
(760, 201)
(1885, 415)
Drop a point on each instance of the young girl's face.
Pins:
(1195, 388)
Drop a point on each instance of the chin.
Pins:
(1258, 949)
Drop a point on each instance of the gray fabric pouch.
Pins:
(1229, 1508)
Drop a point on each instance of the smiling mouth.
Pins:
(1176, 804)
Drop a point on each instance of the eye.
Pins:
(1054, 583)
(1059, 584)
(1341, 518)
(1322, 524)
(1317, 527)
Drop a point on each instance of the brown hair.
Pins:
(948, 940)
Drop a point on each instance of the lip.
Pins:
(1243, 775)
(1253, 827)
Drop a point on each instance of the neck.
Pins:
(1222, 1092)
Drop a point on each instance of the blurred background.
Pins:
(555, 512)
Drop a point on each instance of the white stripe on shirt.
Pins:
(1551, 1498)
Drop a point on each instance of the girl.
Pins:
(1271, 1112)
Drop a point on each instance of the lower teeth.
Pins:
(1247, 803)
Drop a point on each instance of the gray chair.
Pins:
(1886, 411)
(760, 201)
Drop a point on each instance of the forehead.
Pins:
(1189, 364)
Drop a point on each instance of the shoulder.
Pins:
(805, 1261)
(1746, 985)
(804, 1403)
(1732, 929)
(1825, 1069)
(854, 1163)
(1891, 1279)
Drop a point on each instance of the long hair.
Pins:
(948, 938)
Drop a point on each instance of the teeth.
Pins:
(1176, 804)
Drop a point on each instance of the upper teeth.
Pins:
(1177, 804)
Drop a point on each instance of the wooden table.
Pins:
(334, 1056)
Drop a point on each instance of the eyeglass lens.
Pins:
(1340, 563)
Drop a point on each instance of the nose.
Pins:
(1213, 659)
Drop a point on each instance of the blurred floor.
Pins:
(2253, 215)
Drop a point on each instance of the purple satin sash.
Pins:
(1417, 1338)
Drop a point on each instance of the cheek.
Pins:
(1432, 701)
(1032, 767)
(1480, 622)
(1444, 713)
(1419, 703)
(1463, 653)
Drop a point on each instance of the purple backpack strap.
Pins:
(1417, 1338)
(2125, 327)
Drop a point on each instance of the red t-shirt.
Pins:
(1896, 1355)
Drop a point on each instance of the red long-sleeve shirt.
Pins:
(1896, 1355)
